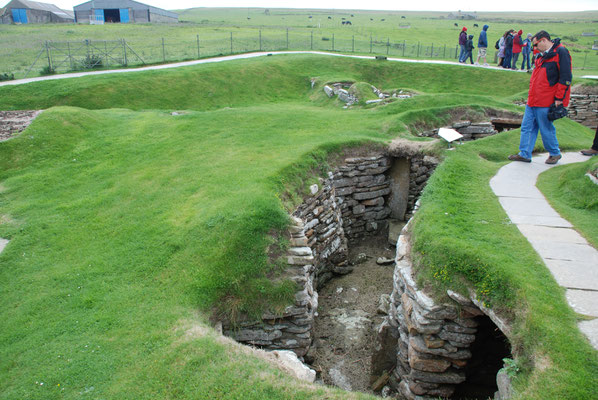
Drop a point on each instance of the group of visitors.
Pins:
(509, 47)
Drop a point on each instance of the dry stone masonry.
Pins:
(583, 108)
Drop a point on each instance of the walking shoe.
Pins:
(517, 157)
(553, 159)
(589, 152)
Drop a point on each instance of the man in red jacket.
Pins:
(550, 84)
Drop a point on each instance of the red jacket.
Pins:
(517, 44)
(551, 79)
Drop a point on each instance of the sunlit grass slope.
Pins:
(128, 224)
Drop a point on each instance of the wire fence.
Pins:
(60, 57)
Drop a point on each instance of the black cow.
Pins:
(348, 23)
(382, 20)
(329, 17)
(343, 19)
(402, 16)
(371, 19)
(248, 17)
(475, 25)
(456, 24)
(352, 15)
(310, 16)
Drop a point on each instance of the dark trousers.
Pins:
(526, 57)
(468, 55)
(507, 61)
(515, 57)
(595, 144)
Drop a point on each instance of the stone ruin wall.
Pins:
(352, 202)
(583, 108)
(426, 344)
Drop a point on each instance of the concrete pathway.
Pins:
(3, 243)
(568, 256)
(233, 57)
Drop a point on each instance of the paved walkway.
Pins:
(233, 57)
(568, 256)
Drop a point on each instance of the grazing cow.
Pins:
(329, 17)
(475, 25)
(382, 20)
(402, 16)
(349, 23)
(371, 19)
(352, 15)
(310, 16)
(456, 24)
(343, 19)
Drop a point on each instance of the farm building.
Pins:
(124, 11)
(33, 12)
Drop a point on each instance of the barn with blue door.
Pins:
(33, 12)
(121, 11)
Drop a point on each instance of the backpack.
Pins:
(496, 46)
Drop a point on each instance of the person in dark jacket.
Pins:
(550, 84)
(469, 49)
(508, 49)
(462, 41)
(517, 46)
(482, 45)
(593, 151)
(526, 51)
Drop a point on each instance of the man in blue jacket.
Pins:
(482, 45)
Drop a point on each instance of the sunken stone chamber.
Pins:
(353, 201)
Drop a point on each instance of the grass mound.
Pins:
(125, 220)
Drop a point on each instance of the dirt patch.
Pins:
(14, 122)
(584, 89)
(345, 328)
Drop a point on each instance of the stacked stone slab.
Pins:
(422, 167)
(292, 329)
(361, 189)
(583, 108)
(469, 130)
(324, 232)
(432, 340)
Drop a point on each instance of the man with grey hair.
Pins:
(549, 86)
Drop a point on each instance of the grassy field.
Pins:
(224, 31)
(125, 221)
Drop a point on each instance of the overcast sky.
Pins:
(427, 5)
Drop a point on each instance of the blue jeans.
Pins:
(525, 59)
(462, 53)
(507, 61)
(537, 118)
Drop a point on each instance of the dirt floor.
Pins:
(345, 328)
(14, 122)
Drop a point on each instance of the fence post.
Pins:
(49, 57)
(404, 45)
(125, 51)
(584, 61)
(353, 45)
(371, 42)
(387, 45)
(197, 46)
(432, 51)
(333, 42)
(417, 49)
(444, 53)
(456, 50)
(68, 44)
(287, 38)
(231, 43)
(311, 46)
(163, 51)
(260, 40)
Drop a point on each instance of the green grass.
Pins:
(125, 221)
(430, 35)
(462, 232)
(574, 196)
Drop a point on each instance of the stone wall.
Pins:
(362, 190)
(430, 341)
(324, 232)
(422, 167)
(469, 130)
(292, 329)
(583, 108)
